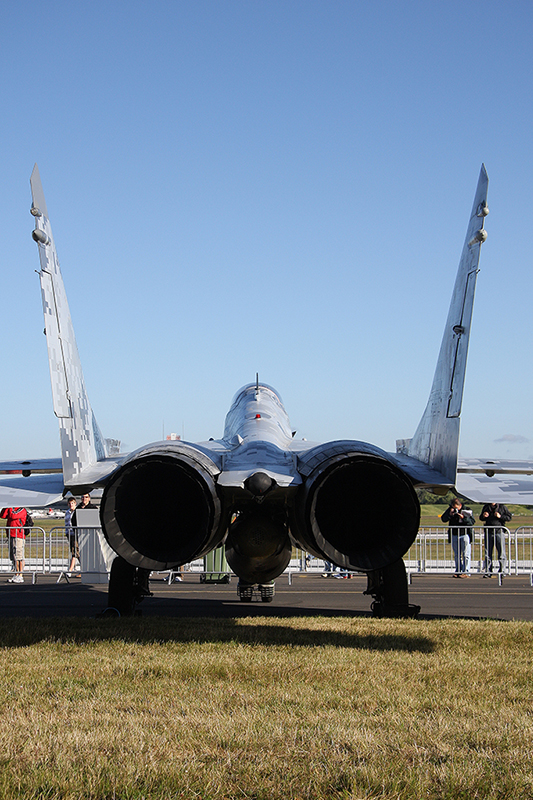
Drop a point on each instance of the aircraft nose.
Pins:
(259, 483)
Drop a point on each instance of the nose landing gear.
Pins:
(247, 592)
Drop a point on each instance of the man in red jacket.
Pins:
(16, 519)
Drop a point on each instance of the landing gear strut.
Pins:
(128, 585)
(388, 587)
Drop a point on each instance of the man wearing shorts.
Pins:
(16, 519)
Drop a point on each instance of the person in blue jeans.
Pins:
(460, 521)
(329, 569)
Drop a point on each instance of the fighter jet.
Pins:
(257, 490)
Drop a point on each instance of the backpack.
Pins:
(29, 520)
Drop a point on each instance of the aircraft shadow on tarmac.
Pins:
(167, 608)
(70, 613)
(156, 630)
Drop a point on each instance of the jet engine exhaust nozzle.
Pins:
(359, 511)
(161, 509)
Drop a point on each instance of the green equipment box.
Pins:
(216, 568)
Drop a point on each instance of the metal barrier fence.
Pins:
(44, 551)
(34, 552)
(431, 553)
(522, 540)
(58, 550)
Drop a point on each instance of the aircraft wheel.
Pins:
(109, 612)
(245, 593)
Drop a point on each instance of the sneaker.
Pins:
(17, 579)
(178, 579)
(68, 574)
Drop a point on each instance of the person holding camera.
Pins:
(495, 517)
(460, 521)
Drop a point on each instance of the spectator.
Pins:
(85, 503)
(329, 569)
(72, 536)
(495, 516)
(460, 521)
(16, 519)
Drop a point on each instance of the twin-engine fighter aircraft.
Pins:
(257, 490)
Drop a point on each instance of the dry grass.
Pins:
(266, 708)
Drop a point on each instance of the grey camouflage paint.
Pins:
(82, 443)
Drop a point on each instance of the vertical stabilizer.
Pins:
(436, 440)
(82, 443)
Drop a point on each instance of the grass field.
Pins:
(266, 708)
(430, 515)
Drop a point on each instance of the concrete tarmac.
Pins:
(309, 595)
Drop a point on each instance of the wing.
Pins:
(495, 481)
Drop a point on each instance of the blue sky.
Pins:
(273, 187)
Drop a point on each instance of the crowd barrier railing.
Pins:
(522, 543)
(48, 552)
(45, 552)
(35, 550)
(432, 551)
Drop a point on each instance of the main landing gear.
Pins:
(388, 587)
(128, 586)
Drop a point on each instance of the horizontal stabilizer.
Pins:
(31, 465)
(500, 488)
(33, 492)
(496, 480)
